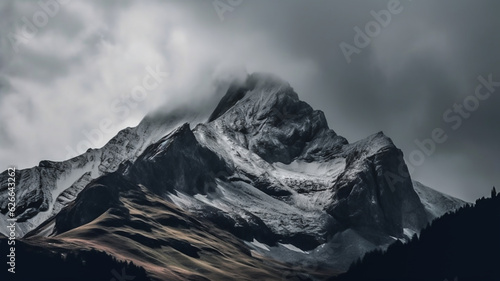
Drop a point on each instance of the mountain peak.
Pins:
(376, 142)
(266, 116)
(256, 84)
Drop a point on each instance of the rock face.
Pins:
(266, 116)
(368, 199)
(265, 167)
(177, 163)
(98, 197)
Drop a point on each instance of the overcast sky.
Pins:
(65, 68)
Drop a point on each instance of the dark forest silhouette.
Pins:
(35, 263)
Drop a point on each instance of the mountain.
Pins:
(463, 245)
(262, 186)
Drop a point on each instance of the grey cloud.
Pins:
(427, 59)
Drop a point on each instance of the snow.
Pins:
(293, 248)
(184, 201)
(409, 232)
(95, 170)
(314, 169)
(260, 245)
(436, 203)
(61, 185)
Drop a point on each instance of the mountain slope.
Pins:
(436, 203)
